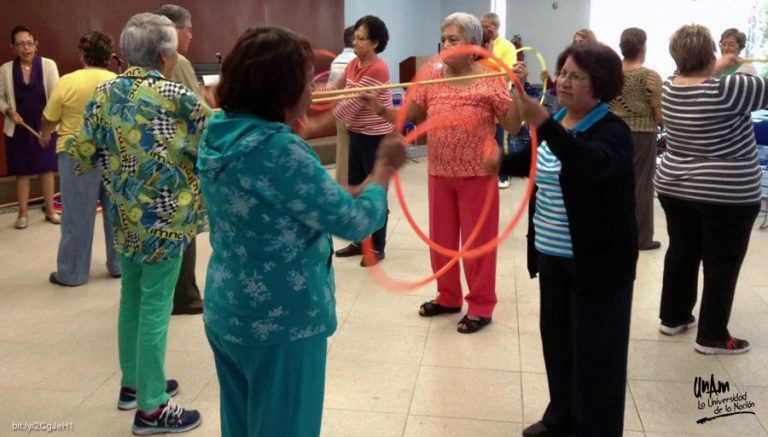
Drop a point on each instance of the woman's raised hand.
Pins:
(529, 108)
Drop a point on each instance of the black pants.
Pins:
(717, 236)
(362, 155)
(186, 288)
(586, 340)
(645, 168)
(502, 150)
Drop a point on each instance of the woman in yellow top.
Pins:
(79, 193)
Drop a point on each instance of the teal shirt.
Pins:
(272, 208)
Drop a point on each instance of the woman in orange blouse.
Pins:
(456, 172)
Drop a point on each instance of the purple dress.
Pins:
(23, 151)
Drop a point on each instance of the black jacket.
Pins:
(598, 183)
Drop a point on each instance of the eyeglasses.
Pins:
(25, 44)
(362, 38)
(726, 45)
(574, 76)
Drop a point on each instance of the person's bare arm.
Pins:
(416, 113)
(46, 131)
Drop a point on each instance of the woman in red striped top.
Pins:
(366, 129)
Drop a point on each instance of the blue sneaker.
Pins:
(171, 418)
(127, 400)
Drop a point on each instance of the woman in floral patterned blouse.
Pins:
(457, 178)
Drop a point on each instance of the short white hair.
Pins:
(467, 23)
(145, 37)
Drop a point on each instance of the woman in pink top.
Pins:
(457, 179)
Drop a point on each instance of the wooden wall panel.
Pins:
(58, 25)
(216, 25)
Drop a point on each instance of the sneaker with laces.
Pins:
(731, 346)
(678, 329)
(127, 400)
(504, 184)
(171, 418)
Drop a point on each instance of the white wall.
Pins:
(610, 18)
(476, 8)
(546, 29)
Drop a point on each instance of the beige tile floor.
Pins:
(390, 372)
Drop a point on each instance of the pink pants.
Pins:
(455, 204)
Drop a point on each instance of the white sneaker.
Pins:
(504, 184)
(679, 329)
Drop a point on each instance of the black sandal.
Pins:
(471, 325)
(431, 308)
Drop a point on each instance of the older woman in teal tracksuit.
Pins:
(269, 298)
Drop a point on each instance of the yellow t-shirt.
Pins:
(504, 49)
(68, 99)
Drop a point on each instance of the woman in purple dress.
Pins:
(25, 84)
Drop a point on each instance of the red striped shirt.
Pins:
(357, 117)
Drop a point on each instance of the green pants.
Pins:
(145, 311)
(274, 390)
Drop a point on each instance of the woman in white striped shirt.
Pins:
(708, 185)
(582, 243)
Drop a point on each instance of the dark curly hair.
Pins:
(97, 48)
(601, 63)
(21, 28)
(377, 31)
(265, 72)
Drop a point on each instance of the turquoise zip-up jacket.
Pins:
(272, 209)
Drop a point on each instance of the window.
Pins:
(660, 18)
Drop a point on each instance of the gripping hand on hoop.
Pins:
(390, 156)
(371, 101)
(14, 116)
(521, 71)
(529, 109)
